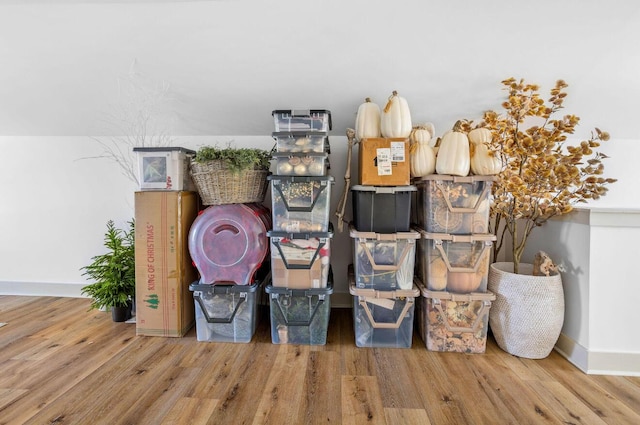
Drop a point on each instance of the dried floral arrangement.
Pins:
(140, 118)
(543, 175)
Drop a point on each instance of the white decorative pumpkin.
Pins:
(437, 275)
(368, 120)
(285, 168)
(396, 118)
(483, 161)
(453, 154)
(316, 168)
(422, 155)
(300, 169)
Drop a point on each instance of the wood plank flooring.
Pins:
(63, 364)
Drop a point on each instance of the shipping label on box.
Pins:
(384, 162)
(164, 303)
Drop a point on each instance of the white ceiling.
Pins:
(66, 65)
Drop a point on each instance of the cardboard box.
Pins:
(384, 162)
(164, 303)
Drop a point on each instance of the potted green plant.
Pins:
(230, 175)
(113, 273)
(543, 175)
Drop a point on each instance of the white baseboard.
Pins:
(41, 289)
(598, 362)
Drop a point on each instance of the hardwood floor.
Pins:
(62, 364)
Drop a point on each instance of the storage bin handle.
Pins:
(196, 296)
(299, 266)
(390, 267)
(385, 325)
(484, 310)
(476, 266)
(481, 197)
(276, 185)
(300, 322)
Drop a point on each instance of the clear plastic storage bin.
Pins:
(300, 204)
(299, 316)
(300, 164)
(301, 119)
(383, 209)
(301, 141)
(455, 263)
(453, 322)
(225, 313)
(384, 261)
(164, 168)
(452, 204)
(300, 260)
(383, 318)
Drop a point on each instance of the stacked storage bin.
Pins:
(381, 278)
(228, 245)
(300, 240)
(452, 261)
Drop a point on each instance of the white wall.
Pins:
(596, 246)
(230, 63)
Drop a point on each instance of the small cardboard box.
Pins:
(164, 303)
(384, 162)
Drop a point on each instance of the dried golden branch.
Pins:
(543, 176)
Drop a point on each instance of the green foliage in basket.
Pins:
(235, 159)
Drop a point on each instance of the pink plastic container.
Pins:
(228, 243)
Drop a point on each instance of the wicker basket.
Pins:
(527, 316)
(217, 185)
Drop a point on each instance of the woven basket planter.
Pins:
(217, 185)
(527, 316)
